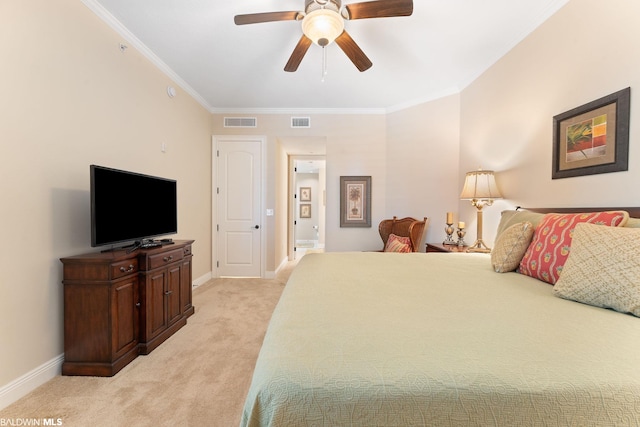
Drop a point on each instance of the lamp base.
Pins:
(479, 246)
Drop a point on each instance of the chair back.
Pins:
(405, 227)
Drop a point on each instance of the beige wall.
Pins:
(279, 223)
(355, 145)
(304, 226)
(585, 51)
(72, 98)
(422, 163)
(411, 156)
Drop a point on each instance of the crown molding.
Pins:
(117, 26)
(300, 111)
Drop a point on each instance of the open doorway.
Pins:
(307, 195)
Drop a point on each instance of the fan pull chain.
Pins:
(324, 63)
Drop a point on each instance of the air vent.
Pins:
(300, 122)
(240, 122)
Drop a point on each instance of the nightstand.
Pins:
(439, 247)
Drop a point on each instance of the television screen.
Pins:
(128, 206)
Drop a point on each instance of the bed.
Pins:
(416, 339)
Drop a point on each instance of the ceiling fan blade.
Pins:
(379, 9)
(353, 51)
(298, 53)
(256, 18)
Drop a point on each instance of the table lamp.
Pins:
(480, 187)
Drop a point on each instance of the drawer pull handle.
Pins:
(168, 293)
(138, 304)
(168, 258)
(125, 270)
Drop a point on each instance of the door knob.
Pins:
(256, 227)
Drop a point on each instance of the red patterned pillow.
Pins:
(551, 241)
(398, 244)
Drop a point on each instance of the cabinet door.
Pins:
(155, 316)
(185, 287)
(125, 314)
(173, 294)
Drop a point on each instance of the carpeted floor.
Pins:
(198, 377)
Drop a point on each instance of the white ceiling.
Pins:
(437, 51)
(309, 166)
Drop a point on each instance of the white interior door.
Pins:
(239, 195)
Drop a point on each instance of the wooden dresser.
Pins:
(118, 305)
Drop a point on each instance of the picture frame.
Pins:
(593, 138)
(355, 201)
(305, 194)
(305, 210)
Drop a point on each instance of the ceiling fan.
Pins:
(323, 23)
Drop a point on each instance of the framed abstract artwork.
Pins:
(355, 201)
(592, 138)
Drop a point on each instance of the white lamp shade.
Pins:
(322, 26)
(480, 185)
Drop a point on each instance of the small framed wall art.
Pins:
(305, 210)
(305, 194)
(592, 138)
(355, 201)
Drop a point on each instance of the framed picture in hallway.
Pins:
(305, 194)
(305, 210)
(592, 138)
(355, 201)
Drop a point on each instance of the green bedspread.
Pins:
(384, 339)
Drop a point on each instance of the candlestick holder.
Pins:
(461, 234)
(449, 230)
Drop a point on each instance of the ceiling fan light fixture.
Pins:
(322, 26)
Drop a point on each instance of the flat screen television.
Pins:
(131, 207)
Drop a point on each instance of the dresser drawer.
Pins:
(122, 268)
(158, 260)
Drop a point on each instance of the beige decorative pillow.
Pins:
(512, 217)
(603, 268)
(510, 246)
(633, 223)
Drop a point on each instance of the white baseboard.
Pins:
(201, 280)
(272, 274)
(30, 381)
